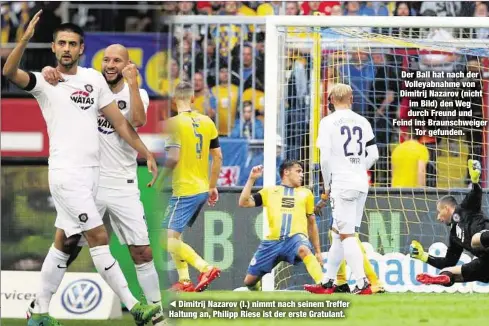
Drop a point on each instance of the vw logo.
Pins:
(81, 296)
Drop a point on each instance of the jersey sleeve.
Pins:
(451, 258)
(309, 203)
(37, 84)
(264, 196)
(369, 134)
(322, 134)
(473, 200)
(145, 99)
(105, 96)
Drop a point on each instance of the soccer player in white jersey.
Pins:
(70, 110)
(118, 191)
(347, 150)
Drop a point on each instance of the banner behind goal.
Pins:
(427, 84)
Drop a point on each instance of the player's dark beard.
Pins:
(68, 65)
(115, 81)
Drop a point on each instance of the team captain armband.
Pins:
(258, 200)
(214, 143)
(370, 142)
(32, 82)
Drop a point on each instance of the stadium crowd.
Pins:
(226, 62)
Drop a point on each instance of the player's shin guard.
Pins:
(52, 273)
(313, 268)
(111, 272)
(149, 282)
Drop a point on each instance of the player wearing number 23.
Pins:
(192, 138)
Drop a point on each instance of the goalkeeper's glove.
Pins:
(474, 170)
(416, 251)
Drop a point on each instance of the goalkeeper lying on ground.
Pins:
(468, 230)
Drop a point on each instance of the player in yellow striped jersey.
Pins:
(192, 138)
(292, 224)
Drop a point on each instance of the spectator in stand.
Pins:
(250, 61)
(402, 9)
(204, 8)
(224, 100)
(255, 95)
(481, 11)
(374, 8)
(249, 127)
(169, 8)
(319, 7)
(360, 72)
(352, 8)
(441, 8)
(210, 69)
(270, 8)
(292, 8)
(169, 82)
(336, 10)
(409, 161)
(202, 96)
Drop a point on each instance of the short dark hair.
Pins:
(448, 200)
(69, 27)
(287, 165)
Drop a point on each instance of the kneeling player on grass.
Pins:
(468, 231)
(290, 217)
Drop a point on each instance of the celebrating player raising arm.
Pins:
(118, 191)
(348, 150)
(290, 213)
(192, 137)
(469, 230)
(70, 110)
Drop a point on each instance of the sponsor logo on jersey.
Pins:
(82, 99)
(121, 104)
(89, 88)
(104, 126)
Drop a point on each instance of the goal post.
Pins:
(326, 56)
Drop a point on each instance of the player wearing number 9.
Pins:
(192, 137)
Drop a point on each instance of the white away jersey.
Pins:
(70, 110)
(344, 134)
(117, 158)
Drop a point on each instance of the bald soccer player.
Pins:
(118, 192)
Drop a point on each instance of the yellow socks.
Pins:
(313, 268)
(182, 268)
(185, 252)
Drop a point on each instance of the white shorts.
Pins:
(121, 200)
(347, 208)
(73, 192)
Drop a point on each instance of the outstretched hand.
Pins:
(29, 32)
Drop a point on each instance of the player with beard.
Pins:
(118, 192)
(70, 110)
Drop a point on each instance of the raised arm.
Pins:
(138, 109)
(11, 68)
(473, 200)
(246, 199)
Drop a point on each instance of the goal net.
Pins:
(424, 83)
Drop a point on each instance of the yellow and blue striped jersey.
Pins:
(287, 210)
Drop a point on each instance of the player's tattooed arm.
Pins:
(11, 68)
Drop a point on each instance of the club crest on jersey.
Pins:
(104, 126)
(82, 99)
(121, 104)
(456, 218)
(89, 88)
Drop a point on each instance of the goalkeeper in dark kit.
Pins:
(469, 230)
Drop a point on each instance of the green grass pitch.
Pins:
(382, 309)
